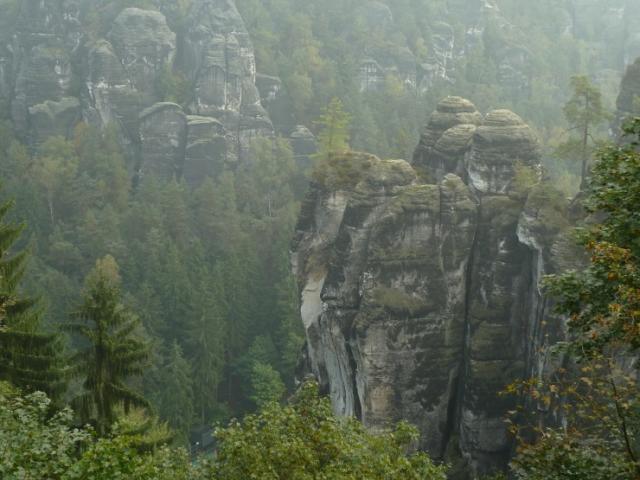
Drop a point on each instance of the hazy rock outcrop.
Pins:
(206, 149)
(163, 136)
(58, 66)
(35, 66)
(446, 139)
(378, 60)
(628, 102)
(420, 300)
(304, 145)
(144, 44)
(219, 59)
(122, 70)
(499, 144)
(52, 118)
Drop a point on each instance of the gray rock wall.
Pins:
(628, 102)
(419, 297)
(56, 70)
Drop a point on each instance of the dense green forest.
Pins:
(150, 307)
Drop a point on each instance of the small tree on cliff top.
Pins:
(585, 112)
(334, 129)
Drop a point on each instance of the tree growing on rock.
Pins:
(334, 129)
(584, 112)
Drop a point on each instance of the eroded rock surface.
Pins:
(420, 298)
(59, 67)
(628, 102)
(446, 139)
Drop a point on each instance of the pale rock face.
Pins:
(144, 44)
(304, 145)
(122, 71)
(163, 135)
(628, 102)
(111, 97)
(446, 138)
(53, 74)
(35, 65)
(206, 149)
(219, 58)
(499, 144)
(420, 300)
(376, 63)
(51, 118)
(440, 62)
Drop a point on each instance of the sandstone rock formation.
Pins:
(35, 67)
(58, 68)
(420, 299)
(628, 102)
(220, 61)
(446, 139)
(303, 144)
(163, 136)
(206, 149)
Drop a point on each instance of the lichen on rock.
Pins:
(416, 294)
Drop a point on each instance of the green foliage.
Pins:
(334, 129)
(599, 402)
(176, 403)
(598, 396)
(266, 385)
(112, 354)
(559, 457)
(342, 171)
(305, 440)
(602, 301)
(584, 112)
(525, 179)
(29, 358)
(173, 86)
(34, 443)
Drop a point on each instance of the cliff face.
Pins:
(57, 68)
(628, 102)
(420, 300)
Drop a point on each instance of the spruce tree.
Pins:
(176, 401)
(584, 111)
(112, 352)
(334, 129)
(206, 343)
(29, 358)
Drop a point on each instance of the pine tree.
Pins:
(266, 385)
(112, 354)
(29, 358)
(176, 402)
(206, 339)
(584, 112)
(334, 129)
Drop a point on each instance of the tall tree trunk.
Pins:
(585, 156)
(50, 202)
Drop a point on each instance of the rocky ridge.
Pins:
(419, 298)
(57, 68)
